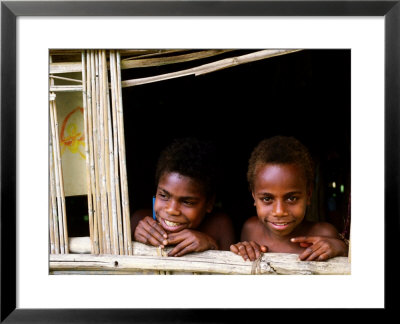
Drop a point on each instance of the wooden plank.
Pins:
(213, 262)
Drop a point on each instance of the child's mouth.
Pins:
(171, 226)
(280, 225)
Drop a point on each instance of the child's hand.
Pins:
(248, 250)
(188, 241)
(320, 248)
(149, 231)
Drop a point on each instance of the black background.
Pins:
(304, 94)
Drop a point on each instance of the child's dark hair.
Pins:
(193, 158)
(281, 150)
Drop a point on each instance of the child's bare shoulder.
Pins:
(219, 225)
(321, 229)
(252, 228)
(251, 223)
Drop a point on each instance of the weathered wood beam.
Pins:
(147, 258)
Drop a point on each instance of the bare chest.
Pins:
(276, 245)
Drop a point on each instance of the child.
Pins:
(281, 176)
(186, 183)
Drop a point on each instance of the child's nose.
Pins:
(279, 209)
(173, 208)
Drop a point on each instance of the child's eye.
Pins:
(163, 195)
(267, 199)
(293, 199)
(188, 203)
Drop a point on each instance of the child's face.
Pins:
(281, 197)
(180, 202)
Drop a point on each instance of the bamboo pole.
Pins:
(61, 181)
(111, 166)
(97, 136)
(103, 174)
(87, 154)
(60, 172)
(149, 53)
(134, 62)
(105, 142)
(92, 189)
(68, 67)
(210, 67)
(66, 88)
(54, 239)
(66, 79)
(51, 232)
(96, 148)
(54, 131)
(122, 163)
(114, 98)
(54, 217)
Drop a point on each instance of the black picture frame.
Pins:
(10, 10)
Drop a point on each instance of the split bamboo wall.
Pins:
(107, 187)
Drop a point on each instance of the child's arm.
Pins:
(219, 226)
(323, 246)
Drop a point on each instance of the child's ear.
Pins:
(210, 204)
(252, 193)
(309, 194)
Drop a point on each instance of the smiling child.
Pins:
(186, 185)
(281, 177)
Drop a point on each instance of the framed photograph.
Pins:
(365, 32)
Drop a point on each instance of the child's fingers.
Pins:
(321, 252)
(306, 253)
(239, 249)
(143, 237)
(147, 232)
(324, 256)
(154, 229)
(234, 248)
(156, 225)
(260, 248)
(249, 251)
(257, 249)
(182, 248)
(175, 238)
(311, 253)
(304, 239)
